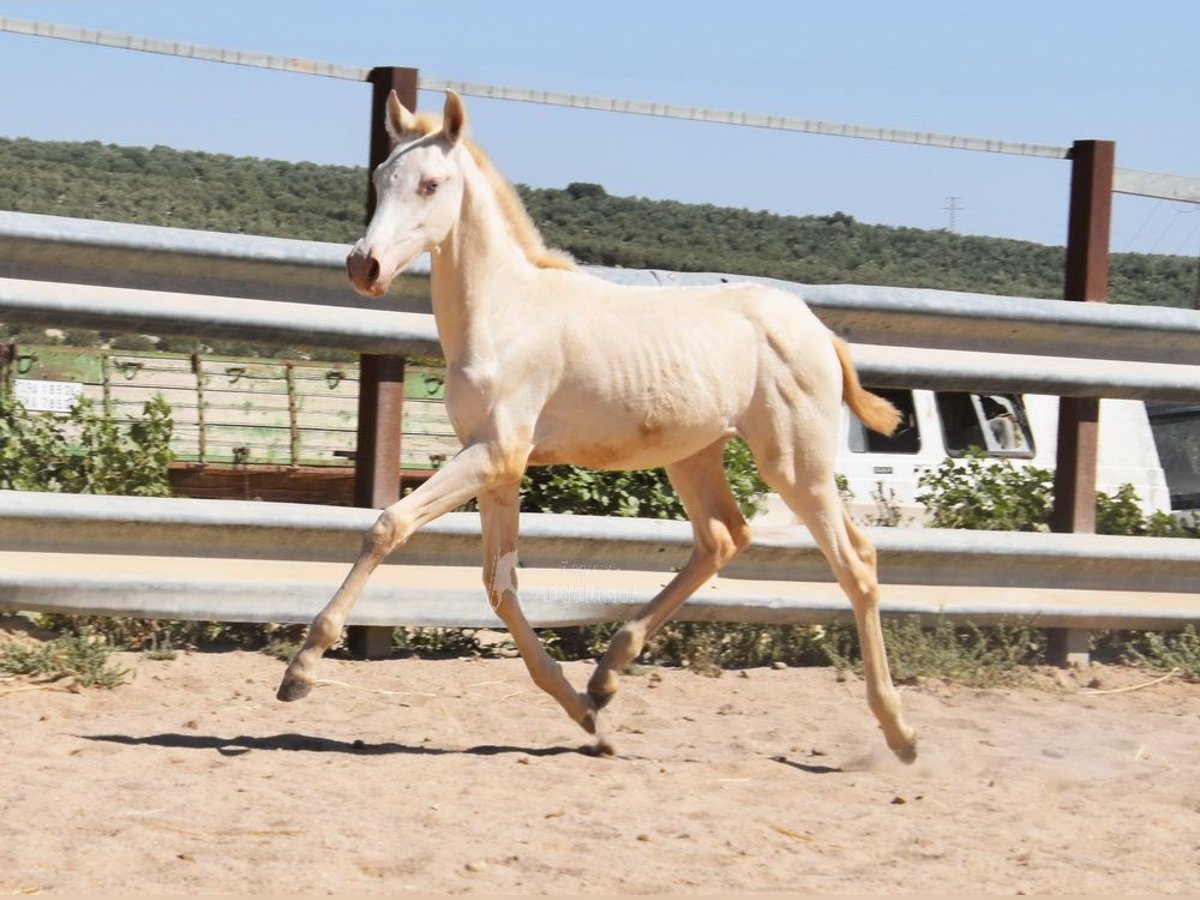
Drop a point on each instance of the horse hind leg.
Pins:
(851, 555)
(720, 534)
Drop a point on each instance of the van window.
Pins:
(993, 423)
(1176, 428)
(907, 438)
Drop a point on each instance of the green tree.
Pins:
(161, 186)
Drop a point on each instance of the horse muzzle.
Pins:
(365, 271)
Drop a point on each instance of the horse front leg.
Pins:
(499, 510)
(455, 483)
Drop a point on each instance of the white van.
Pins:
(1022, 428)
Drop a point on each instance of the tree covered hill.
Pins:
(161, 186)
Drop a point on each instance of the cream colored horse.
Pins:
(547, 364)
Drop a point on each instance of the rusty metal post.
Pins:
(1086, 280)
(381, 378)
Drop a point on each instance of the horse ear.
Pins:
(400, 121)
(454, 117)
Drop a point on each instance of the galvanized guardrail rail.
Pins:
(173, 281)
(245, 561)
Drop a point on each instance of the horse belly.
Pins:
(625, 448)
(632, 421)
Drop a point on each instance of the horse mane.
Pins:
(521, 226)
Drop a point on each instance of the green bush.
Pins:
(1120, 513)
(85, 452)
(979, 493)
(975, 492)
(645, 494)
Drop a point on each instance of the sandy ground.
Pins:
(457, 776)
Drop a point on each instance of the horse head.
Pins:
(418, 190)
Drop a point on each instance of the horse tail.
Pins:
(874, 412)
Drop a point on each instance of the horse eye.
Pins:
(428, 188)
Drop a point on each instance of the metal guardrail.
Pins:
(199, 315)
(276, 562)
(1159, 345)
(452, 597)
(153, 257)
(200, 559)
(414, 334)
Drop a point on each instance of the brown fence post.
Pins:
(381, 378)
(1086, 279)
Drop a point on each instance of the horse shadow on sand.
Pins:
(305, 743)
(237, 746)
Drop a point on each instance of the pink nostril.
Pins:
(372, 270)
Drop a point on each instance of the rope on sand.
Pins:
(1132, 687)
(321, 682)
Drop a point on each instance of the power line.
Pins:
(1167, 229)
(530, 95)
(1126, 181)
(1146, 221)
(182, 49)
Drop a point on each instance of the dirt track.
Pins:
(457, 776)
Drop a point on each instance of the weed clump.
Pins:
(997, 656)
(1178, 651)
(79, 657)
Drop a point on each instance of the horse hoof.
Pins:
(293, 689)
(907, 752)
(600, 747)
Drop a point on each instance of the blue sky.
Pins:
(1043, 72)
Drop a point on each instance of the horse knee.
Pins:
(863, 587)
(723, 541)
(741, 533)
(863, 548)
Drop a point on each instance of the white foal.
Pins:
(547, 364)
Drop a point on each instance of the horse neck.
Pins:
(474, 267)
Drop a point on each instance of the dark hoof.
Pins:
(293, 689)
(599, 747)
